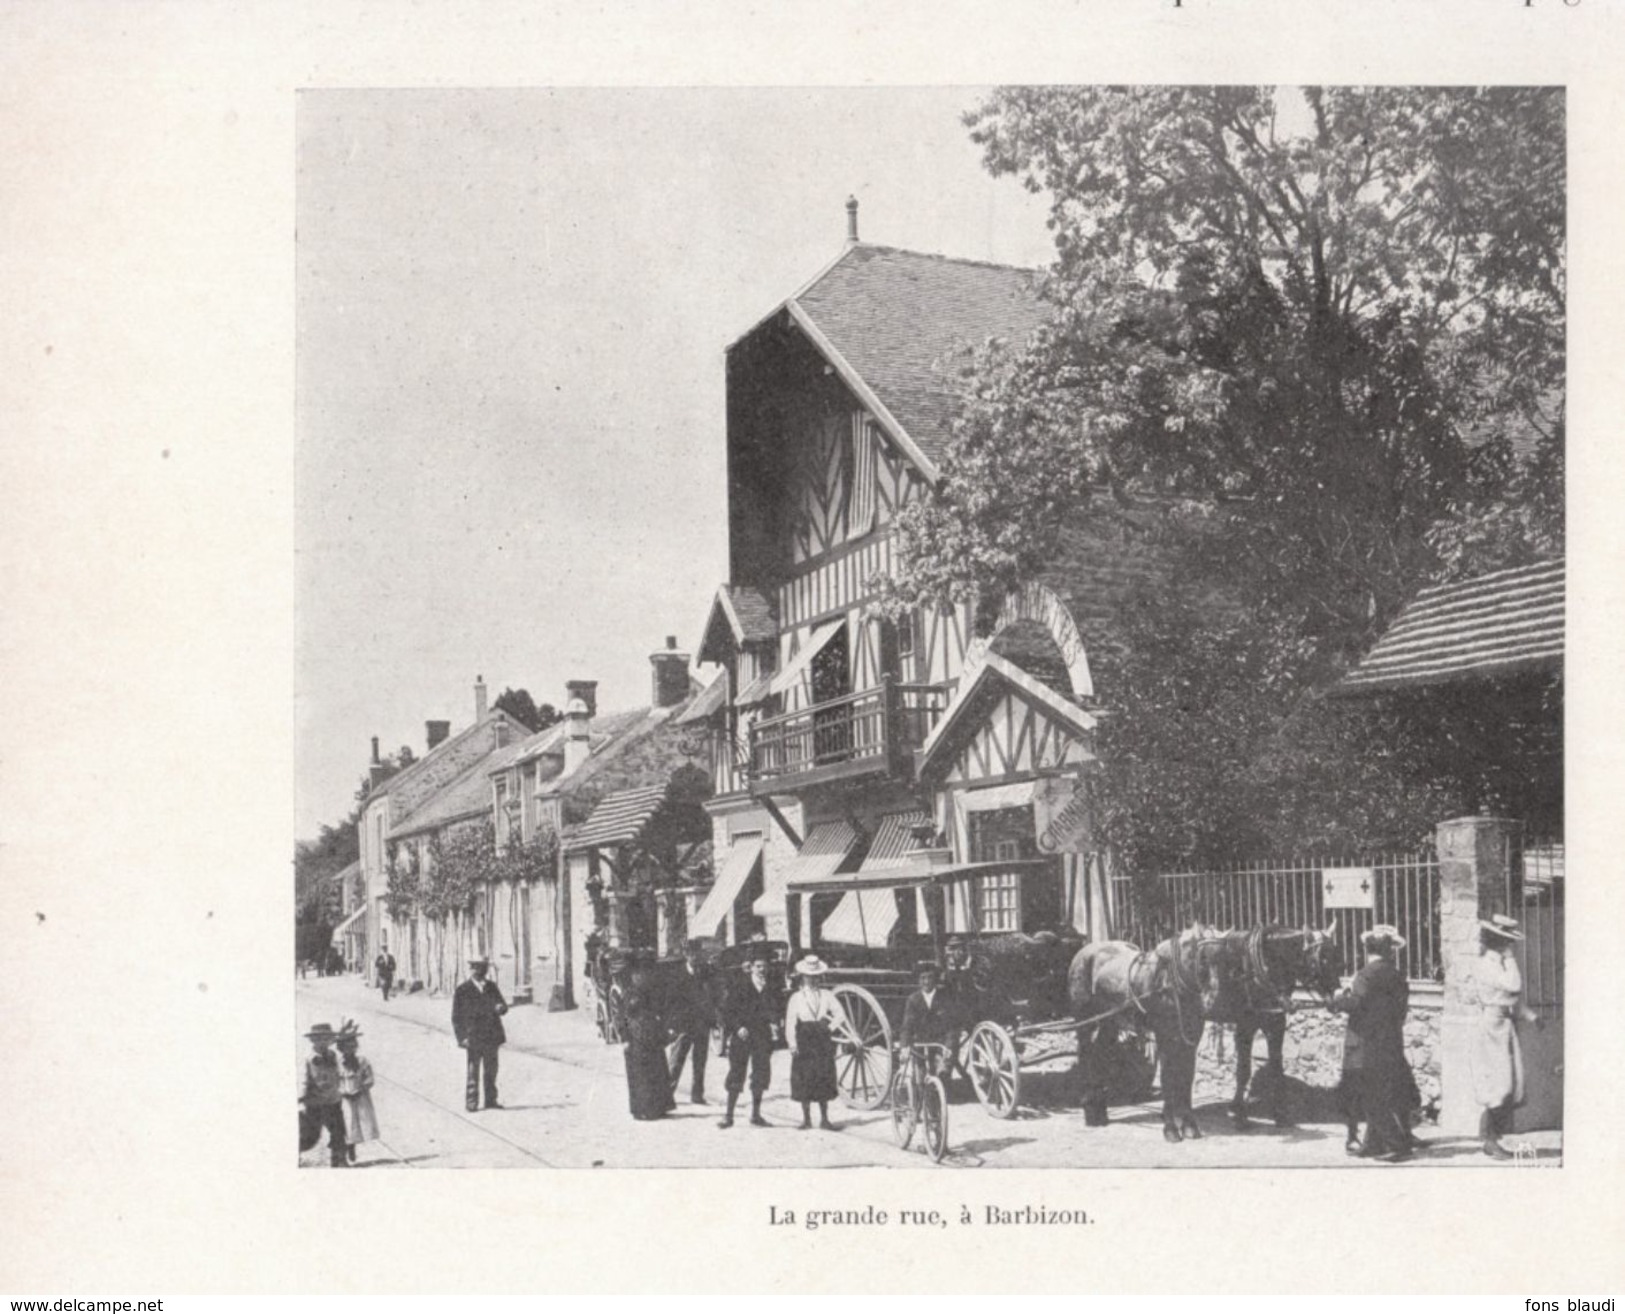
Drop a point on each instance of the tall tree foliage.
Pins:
(1321, 346)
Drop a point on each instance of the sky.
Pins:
(512, 308)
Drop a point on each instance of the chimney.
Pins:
(586, 690)
(670, 674)
(852, 220)
(436, 732)
(479, 698)
(375, 758)
(577, 719)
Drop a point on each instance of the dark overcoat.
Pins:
(476, 1015)
(1376, 1002)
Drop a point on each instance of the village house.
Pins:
(844, 740)
(609, 803)
(392, 799)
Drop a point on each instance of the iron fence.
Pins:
(1541, 871)
(1402, 891)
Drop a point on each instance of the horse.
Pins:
(1168, 989)
(1262, 967)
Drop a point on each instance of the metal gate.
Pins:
(1539, 875)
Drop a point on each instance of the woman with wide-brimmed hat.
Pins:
(811, 1022)
(1376, 1081)
(1496, 1058)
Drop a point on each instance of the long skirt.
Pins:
(812, 1070)
(648, 1079)
(1495, 1059)
(360, 1119)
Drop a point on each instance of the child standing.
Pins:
(321, 1097)
(355, 1086)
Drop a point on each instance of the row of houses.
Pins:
(831, 738)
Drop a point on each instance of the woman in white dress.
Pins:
(355, 1089)
(1496, 1058)
(811, 1022)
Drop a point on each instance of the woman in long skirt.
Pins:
(1496, 1057)
(810, 1023)
(648, 1079)
(355, 1089)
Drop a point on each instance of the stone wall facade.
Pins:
(1312, 1060)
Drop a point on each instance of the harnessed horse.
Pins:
(1167, 989)
(1263, 967)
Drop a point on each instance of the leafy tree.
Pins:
(518, 704)
(1325, 356)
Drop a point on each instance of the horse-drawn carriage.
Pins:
(1028, 998)
(1008, 987)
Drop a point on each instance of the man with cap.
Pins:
(476, 1020)
(1496, 1058)
(930, 1018)
(751, 1016)
(322, 1098)
(1376, 1075)
(692, 1012)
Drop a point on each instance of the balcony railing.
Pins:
(875, 730)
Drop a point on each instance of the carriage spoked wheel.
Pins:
(994, 1065)
(933, 1101)
(903, 1105)
(863, 1057)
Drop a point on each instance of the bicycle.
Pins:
(918, 1098)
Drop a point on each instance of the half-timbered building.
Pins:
(844, 739)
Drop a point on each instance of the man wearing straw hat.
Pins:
(1376, 1076)
(321, 1100)
(476, 1020)
(1495, 1058)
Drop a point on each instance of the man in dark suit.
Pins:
(476, 1020)
(1376, 1075)
(751, 1018)
(689, 1006)
(930, 1018)
(384, 966)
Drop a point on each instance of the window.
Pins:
(998, 902)
(863, 476)
(905, 635)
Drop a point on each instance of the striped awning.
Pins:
(619, 818)
(825, 849)
(708, 704)
(861, 917)
(793, 668)
(348, 925)
(894, 839)
(867, 916)
(743, 859)
(1509, 620)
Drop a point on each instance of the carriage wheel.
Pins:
(934, 1118)
(902, 1106)
(613, 1007)
(994, 1065)
(863, 1061)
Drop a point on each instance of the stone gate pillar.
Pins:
(1477, 877)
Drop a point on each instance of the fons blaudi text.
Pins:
(982, 1215)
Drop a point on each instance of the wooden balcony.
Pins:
(874, 732)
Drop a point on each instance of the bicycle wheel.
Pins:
(902, 1106)
(934, 1117)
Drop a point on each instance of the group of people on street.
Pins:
(1378, 1088)
(1377, 1091)
(755, 1019)
(337, 1094)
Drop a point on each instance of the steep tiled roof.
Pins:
(1505, 621)
(619, 817)
(752, 611)
(469, 795)
(894, 315)
(446, 762)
